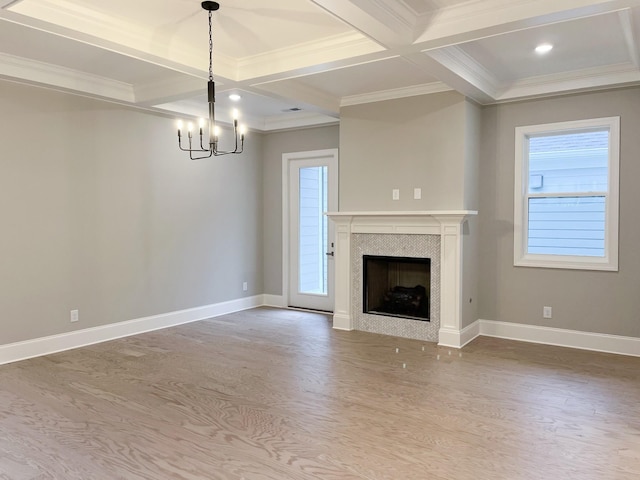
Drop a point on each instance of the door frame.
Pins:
(332, 155)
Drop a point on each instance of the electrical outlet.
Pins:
(395, 194)
(547, 312)
(245, 286)
(74, 317)
(417, 193)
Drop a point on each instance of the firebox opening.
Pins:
(397, 286)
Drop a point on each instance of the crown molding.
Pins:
(395, 93)
(611, 76)
(61, 78)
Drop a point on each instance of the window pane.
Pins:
(575, 162)
(567, 226)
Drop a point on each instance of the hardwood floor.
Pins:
(277, 394)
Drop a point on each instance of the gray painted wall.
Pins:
(602, 302)
(415, 142)
(275, 145)
(100, 212)
(470, 239)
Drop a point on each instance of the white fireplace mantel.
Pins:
(446, 223)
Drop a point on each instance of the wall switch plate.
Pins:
(547, 312)
(74, 317)
(245, 286)
(417, 193)
(395, 194)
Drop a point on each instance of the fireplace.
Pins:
(438, 235)
(396, 286)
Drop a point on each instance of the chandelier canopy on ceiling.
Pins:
(210, 148)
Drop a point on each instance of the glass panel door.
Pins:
(313, 190)
(312, 238)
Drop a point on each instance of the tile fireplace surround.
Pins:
(446, 226)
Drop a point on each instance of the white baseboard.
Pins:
(458, 339)
(274, 301)
(14, 352)
(342, 322)
(597, 342)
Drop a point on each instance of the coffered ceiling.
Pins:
(296, 62)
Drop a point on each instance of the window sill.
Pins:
(567, 263)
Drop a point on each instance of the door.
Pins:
(312, 182)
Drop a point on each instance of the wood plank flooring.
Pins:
(276, 394)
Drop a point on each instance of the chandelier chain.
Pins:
(210, 49)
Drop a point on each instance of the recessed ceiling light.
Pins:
(543, 48)
(234, 97)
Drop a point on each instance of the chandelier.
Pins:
(203, 149)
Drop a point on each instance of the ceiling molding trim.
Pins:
(466, 67)
(394, 94)
(589, 79)
(305, 55)
(630, 36)
(47, 75)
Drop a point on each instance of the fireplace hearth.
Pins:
(396, 286)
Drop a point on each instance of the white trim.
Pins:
(33, 72)
(597, 342)
(14, 352)
(395, 93)
(331, 154)
(458, 339)
(521, 258)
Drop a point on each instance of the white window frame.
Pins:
(521, 258)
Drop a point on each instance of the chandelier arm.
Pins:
(201, 157)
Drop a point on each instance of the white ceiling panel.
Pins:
(585, 43)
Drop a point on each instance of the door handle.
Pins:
(329, 253)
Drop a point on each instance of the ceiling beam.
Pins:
(388, 23)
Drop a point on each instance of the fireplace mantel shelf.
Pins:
(409, 213)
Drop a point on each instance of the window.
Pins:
(566, 195)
